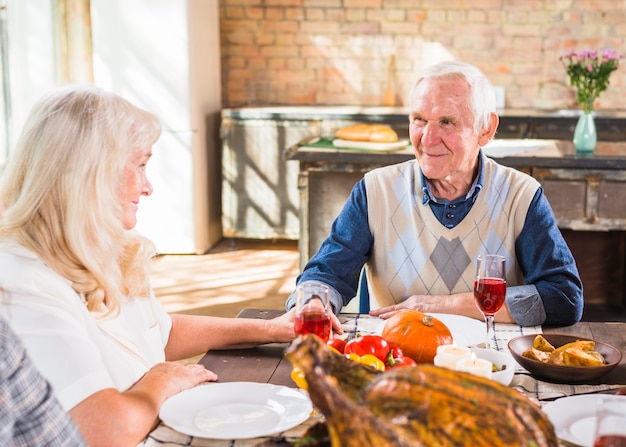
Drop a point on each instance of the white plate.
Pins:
(465, 331)
(235, 410)
(574, 417)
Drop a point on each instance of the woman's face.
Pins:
(134, 185)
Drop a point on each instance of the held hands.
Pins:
(282, 328)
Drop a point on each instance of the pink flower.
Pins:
(589, 72)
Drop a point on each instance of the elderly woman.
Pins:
(76, 276)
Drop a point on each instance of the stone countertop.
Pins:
(517, 153)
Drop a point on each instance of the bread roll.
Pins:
(375, 133)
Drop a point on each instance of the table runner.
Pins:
(538, 390)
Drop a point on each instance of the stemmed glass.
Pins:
(489, 289)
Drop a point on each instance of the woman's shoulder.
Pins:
(11, 248)
(22, 270)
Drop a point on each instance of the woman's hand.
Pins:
(109, 417)
(282, 328)
(174, 377)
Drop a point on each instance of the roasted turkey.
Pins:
(415, 406)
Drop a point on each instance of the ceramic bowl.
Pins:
(562, 373)
(504, 363)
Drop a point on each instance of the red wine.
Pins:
(489, 294)
(610, 441)
(314, 323)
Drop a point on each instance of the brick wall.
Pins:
(331, 52)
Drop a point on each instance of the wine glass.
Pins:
(610, 422)
(312, 310)
(489, 289)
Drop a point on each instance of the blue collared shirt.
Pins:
(552, 293)
(451, 213)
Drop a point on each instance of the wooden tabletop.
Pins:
(266, 364)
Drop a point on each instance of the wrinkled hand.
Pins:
(422, 303)
(176, 377)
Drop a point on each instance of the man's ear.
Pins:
(487, 134)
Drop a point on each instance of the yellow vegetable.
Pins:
(298, 377)
(372, 360)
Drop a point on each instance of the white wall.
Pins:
(142, 51)
(31, 59)
(162, 55)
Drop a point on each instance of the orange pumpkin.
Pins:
(417, 334)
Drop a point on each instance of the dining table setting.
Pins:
(255, 401)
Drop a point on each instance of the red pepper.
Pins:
(338, 344)
(368, 344)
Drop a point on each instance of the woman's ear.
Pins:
(487, 134)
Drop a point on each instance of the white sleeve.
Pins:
(78, 353)
(55, 335)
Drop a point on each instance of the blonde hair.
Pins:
(60, 192)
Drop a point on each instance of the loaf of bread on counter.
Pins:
(375, 133)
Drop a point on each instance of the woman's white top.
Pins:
(77, 352)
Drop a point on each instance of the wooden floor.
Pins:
(233, 275)
(258, 274)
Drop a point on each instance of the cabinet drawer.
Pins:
(586, 199)
(612, 199)
(567, 197)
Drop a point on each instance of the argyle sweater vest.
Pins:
(414, 254)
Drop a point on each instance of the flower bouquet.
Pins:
(589, 72)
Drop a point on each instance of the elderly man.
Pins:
(418, 226)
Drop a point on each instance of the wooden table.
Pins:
(266, 363)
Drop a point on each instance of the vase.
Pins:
(585, 138)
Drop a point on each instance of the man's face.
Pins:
(442, 130)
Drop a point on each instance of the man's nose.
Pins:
(430, 135)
